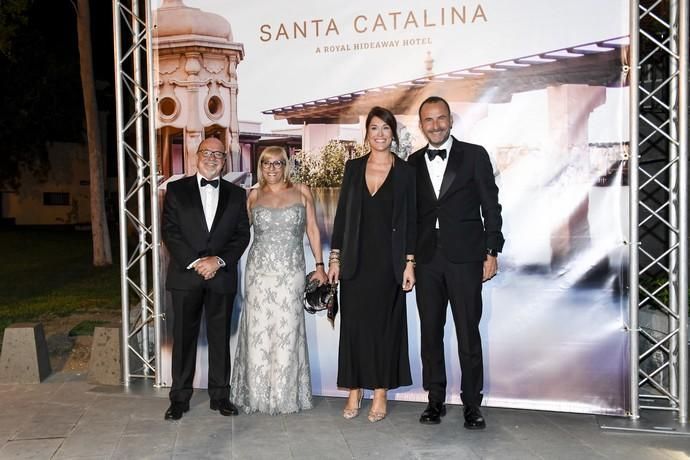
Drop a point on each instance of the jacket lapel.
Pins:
(355, 196)
(197, 205)
(452, 168)
(223, 197)
(421, 164)
(397, 176)
(354, 204)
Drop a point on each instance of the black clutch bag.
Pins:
(321, 297)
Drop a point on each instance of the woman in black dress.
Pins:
(373, 255)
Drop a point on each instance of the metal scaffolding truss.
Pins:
(137, 190)
(659, 207)
(658, 164)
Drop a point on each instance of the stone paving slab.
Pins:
(30, 449)
(65, 417)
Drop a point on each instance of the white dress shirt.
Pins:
(437, 167)
(209, 200)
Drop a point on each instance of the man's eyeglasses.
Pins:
(272, 164)
(210, 153)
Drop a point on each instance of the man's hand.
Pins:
(490, 267)
(408, 278)
(207, 267)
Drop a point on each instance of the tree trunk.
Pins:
(102, 255)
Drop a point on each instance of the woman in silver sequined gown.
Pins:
(271, 366)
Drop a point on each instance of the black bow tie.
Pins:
(213, 183)
(432, 153)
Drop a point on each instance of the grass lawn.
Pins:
(49, 272)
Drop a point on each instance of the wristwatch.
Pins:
(492, 252)
(221, 262)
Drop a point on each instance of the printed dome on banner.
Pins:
(174, 18)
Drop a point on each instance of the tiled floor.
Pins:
(67, 418)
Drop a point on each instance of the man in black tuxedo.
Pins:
(458, 241)
(206, 230)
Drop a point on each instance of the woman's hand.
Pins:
(333, 273)
(320, 275)
(408, 278)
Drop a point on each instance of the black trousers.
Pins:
(440, 281)
(187, 308)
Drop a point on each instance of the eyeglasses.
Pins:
(272, 164)
(214, 154)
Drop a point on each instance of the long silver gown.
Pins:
(271, 366)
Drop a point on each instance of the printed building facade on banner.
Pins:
(574, 78)
(197, 87)
(572, 75)
(196, 78)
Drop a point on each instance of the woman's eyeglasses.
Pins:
(272, 164)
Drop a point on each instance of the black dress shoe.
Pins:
(176, 410)
(473, 418)
(224, 406)
(433, 413)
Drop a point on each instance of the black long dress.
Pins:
(373, 324)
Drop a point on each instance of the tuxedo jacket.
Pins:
(346, 228)
(187, 237)
(467, 208)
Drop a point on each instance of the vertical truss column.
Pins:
(633, 185)
(683, 161)
(659, 206)
(137, 190)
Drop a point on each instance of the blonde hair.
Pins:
(274, 151)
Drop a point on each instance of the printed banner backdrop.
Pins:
(539, 83)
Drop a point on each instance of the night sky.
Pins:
(52, 41)
(56, 21)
